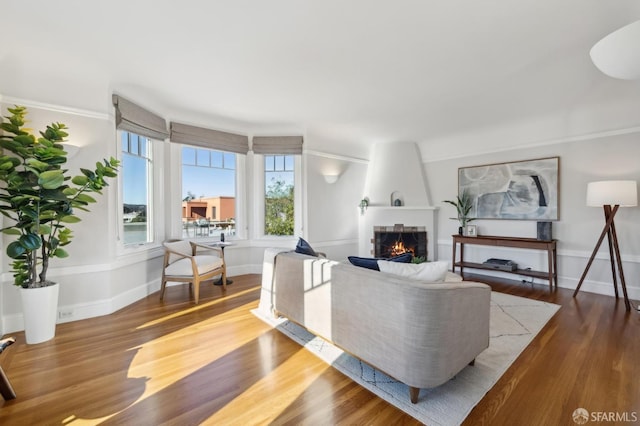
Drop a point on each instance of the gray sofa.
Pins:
(422, 334)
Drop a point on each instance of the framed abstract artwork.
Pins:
(526, 190)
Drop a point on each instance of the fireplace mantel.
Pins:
(370, 208)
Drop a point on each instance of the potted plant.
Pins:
(463, 204)
(38, 199)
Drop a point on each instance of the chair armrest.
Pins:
(219, 250)
(168, 250)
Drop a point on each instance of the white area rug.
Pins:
(514, 323)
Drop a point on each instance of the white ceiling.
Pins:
(447, 74)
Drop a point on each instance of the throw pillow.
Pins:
(428, 271)
(372, 262)
(303, 247)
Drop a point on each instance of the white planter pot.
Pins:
(40, 312)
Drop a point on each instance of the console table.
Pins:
(523, 243)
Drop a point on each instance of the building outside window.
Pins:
(279, 194)
(208, 192)
(136, 189)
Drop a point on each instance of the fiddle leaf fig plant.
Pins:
(38, 197)
(463, 204)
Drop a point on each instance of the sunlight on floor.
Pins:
(277, 387)
(154, 360)
(196, 308)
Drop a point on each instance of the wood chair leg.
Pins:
(163, 286)
(6, 390)
(196, 289)
(413, 394)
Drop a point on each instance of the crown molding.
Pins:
(56, 108)
(336, 156)
(536, 144)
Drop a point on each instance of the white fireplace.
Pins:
(396, 176)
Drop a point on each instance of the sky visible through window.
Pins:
(134, 169)
(203, 175)
(208, 173)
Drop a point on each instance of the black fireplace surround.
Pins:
(390, 241)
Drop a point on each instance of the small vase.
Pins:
(460, 230)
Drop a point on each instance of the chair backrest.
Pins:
(180, 246)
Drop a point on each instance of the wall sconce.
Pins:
(71, 149)
(331, 179)
(618, 54)
(364, 203)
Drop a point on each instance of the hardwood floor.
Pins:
(175, 363)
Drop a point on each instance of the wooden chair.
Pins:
(182, 263)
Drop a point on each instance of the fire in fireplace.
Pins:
(390, 241)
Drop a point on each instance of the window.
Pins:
(279, 177)
(208, 192)
(136, 188)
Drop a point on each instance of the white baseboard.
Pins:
(67, 313)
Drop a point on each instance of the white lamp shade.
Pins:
(612, 192)
(618, 54)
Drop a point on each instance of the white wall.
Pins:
(332, 209)
(601, 158)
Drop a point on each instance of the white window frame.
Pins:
(175, 198)
(155, 190)
(259, 180)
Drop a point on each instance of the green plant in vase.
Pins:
(39, 197)
(463, 204)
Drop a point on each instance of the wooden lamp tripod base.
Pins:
(609, 230)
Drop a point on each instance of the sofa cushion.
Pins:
(372, 262)
(303, 247)
(450, 277)
(429, 271)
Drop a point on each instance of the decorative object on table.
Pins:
(397, 202)
(611, 195)
(501, 264)
(463, 204)
(471, 231)
(38, 199)
(544, 231)
(618, 54)
(515, 190)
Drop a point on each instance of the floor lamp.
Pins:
(616, 193)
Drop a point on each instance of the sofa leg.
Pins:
(473, 362)
(413, 394)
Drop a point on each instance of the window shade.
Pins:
(135, 119)
(277, 144)
(208, 138)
